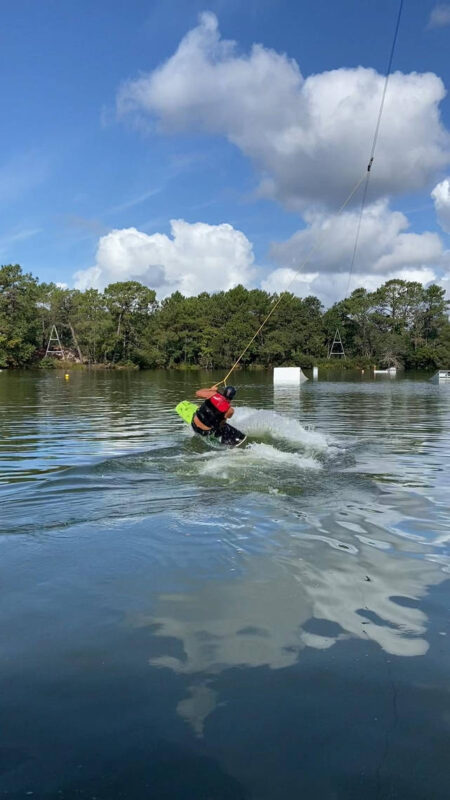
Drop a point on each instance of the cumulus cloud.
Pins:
(384, 243)
(441, 197)
(197, 257)
(286, 279)
(316, 260)
(310, 137)
(330, 291)
(386, 250)
(440, 16)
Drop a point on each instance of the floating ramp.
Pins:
(441, 376)
(288, 376)
(390, 371)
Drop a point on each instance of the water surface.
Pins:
(179, 622)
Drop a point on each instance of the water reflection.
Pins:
(268, 623)
(49, 424)
(299, 599)
(286, 398)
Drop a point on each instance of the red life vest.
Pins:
(212, 411)
(220, 402)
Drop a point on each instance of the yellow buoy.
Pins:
(67, 376)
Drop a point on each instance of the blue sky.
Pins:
(73, 169)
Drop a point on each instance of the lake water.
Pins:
(263, 624)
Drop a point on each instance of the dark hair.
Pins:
(229, 392)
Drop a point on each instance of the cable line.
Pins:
(374, 144)
(365, 178)
(313, 250)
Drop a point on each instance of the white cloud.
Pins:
(310, 138)
(440, 16)
(441, 197)
(286, 279)
(386, 250)
(198, 257)
(330, 289)
(384, 243)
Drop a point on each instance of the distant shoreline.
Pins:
(344, 364)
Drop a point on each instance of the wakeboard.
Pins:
(225, 436)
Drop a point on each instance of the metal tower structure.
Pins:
(337, 348)
(52, 350)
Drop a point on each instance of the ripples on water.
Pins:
(272, 620)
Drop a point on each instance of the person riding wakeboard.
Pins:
(211, 417)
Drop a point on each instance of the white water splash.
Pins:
(256, 455)
(258, 422)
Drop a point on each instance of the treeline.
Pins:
(401, 324)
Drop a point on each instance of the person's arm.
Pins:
(205, 394)
(229, 413)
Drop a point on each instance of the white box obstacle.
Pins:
(288, 376)
(442, 376)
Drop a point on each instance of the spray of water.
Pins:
(256, 456)
(261, 423)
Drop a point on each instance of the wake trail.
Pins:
(260, 423)
(256, 455)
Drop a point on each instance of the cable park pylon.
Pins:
(337, 347)
(52, 349)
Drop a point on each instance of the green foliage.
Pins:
(48, 362)
(401, 323)
(19, 325)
